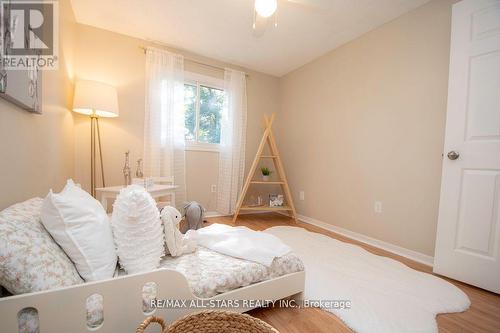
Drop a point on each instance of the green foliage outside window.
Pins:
(207, 127)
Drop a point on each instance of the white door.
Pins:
(468, 235)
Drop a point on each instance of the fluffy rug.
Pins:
(386, 296)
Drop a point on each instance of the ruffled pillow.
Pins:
(137, 230)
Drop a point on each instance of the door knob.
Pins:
(453, 155)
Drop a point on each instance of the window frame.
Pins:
(199, 80)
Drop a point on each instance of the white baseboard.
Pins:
(213, 214)
(217, 214)
(400, 251)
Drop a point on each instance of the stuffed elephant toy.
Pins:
(194, 214)
(177, 243)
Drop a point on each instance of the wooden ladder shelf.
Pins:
(267, 138)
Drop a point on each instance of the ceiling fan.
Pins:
(266, 10)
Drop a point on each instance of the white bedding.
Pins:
(241, 242)
(210, 273)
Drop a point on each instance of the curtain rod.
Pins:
(144, 49)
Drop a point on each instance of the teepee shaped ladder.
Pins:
(267, 138)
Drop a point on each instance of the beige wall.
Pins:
(117, 59)
(363, 123)
(37, 150)
(366, 122)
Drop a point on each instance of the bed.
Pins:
(119, 304)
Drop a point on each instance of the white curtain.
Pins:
(164, 141)
(233, 138)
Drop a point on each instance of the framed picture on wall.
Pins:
(20, 85)
(276, 200)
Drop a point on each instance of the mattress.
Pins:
(208, 273)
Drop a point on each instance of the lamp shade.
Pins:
(97, 98)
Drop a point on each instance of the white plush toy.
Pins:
(177, 243)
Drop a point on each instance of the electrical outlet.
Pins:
(302, 195)
(213, 188)
(377, 207)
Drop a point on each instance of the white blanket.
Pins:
(242, 242)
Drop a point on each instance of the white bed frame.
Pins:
(64, 310)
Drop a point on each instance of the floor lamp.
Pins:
(97, 100)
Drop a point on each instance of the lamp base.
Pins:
(95, 131)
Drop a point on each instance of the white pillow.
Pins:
(137, 230)
(79, 224)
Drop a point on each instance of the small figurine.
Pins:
(138, 172)
(126, 170)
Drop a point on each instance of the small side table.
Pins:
(156, 191)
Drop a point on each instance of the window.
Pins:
(203, 105)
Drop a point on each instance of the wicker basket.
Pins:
(212, 321)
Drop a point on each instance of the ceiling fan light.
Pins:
(266, 8)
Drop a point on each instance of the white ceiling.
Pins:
(222, 29)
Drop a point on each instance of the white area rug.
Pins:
(386, 296)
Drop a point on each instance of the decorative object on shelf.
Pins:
(127, 177)
(256, 203)
(276, 200)
(265, 173)
(95, 99)
(138, 171)
(267, 138)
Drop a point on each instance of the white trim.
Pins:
(200, 146)
(204, 80)
(217, 214)
(400, 251)
(213, 214)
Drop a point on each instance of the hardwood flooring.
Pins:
(483, 315)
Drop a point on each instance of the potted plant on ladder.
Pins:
(265, 173)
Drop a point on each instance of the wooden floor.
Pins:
(483, 315)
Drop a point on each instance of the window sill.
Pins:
(214, 148)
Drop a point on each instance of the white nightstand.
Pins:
(156, 191)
